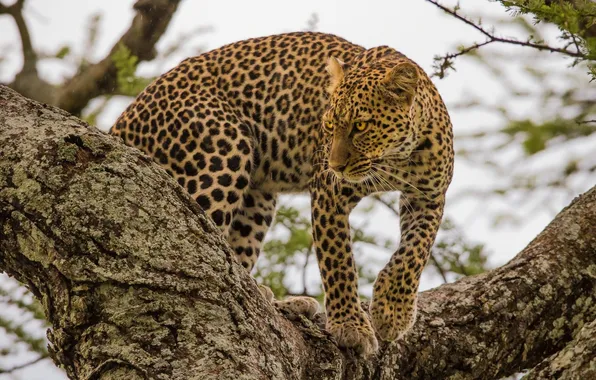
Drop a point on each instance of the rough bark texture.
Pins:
(149, 24)
(137, 282)
(576, 361)
(495, 324)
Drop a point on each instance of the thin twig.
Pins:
(308, 253)
(21, 366)
(575, 42)
(491, 38)
(439, 268)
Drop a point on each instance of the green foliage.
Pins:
(453, 253)
(126, 64)
(63, 52)
(573, 18)
(287, 251)
(590, 44)
(541, 109)
(537, 135)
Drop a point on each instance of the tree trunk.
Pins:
(137, 282)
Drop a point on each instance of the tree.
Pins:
(138, 283)
(453, 256)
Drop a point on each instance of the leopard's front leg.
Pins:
(393, 308)
(347, 322)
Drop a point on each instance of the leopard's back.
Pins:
(266, 92)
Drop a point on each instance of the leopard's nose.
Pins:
(338, 167)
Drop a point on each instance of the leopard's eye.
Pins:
(361, 125)
(328, 126)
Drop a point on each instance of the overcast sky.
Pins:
(414, 27)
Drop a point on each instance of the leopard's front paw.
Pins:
(356, 333)
(392, 319)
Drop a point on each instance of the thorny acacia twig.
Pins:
(443, 63)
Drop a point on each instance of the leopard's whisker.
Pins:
(393, 175)
(389, 168)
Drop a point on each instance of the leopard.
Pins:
(308, 112)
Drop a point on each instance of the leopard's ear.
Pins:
(335, 68)
(400, 83)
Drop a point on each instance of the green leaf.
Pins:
(63, 52)
(126, 66)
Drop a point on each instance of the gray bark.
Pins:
(576, 361)
(137, 282)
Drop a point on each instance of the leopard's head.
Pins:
(368, 120)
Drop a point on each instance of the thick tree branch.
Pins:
(576, 361)
(134, 279)
(501, 322)
(149, 24)
(137, 282)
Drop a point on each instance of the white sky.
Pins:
(414, 27)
